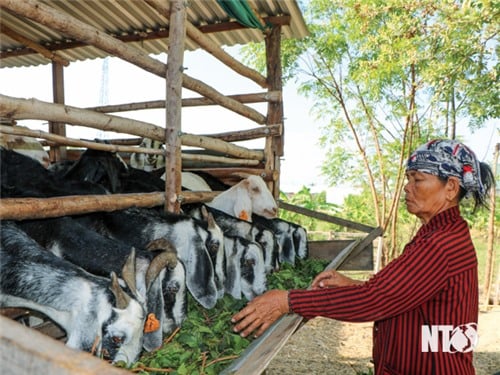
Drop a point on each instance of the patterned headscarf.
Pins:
(446, 158)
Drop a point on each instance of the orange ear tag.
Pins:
(152, 324)
(243, 215)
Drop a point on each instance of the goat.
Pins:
(245, 271)
(140, 226)
(291, 237)
(91, 309)
(22, 176)
(148, 162)
(250, 195)
(232, 226)
(25, 145)
(97, 254)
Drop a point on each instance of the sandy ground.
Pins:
(325, 346)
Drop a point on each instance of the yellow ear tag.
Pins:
(243, 215)
(152, 323)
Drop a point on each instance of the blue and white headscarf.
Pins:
(446, 158)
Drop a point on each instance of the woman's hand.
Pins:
(331, 278)
(261, 312)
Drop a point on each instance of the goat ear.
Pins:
(128, 272)
(122, 298)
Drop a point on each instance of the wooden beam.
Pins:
(173, 80)
(143, 35)
(16, 108)
(58, 128)
(26, 351)
(61, 140)
(51, 55)
(274, 147)
(271, 96)
(73, 27)
(41, 208)
(325, 217)
(245, 135)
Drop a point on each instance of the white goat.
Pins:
(94, 311)
(249, 196)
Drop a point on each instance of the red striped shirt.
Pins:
(433, 282)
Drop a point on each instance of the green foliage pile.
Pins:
(206, 343)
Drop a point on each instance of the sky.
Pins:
(87, 86)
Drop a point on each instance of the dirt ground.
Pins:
(324, 346)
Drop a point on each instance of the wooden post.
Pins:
(57, 153)
(274, 145)
(173, 163)
(490, 254)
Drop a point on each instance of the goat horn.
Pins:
(167, 258)
(128, 272)
(204, 212)
(160, 244)
(210, 220)
(122, 298)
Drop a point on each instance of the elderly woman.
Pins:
(425, 302)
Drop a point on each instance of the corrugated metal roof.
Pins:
(135, 19)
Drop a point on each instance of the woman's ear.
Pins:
(452, 188)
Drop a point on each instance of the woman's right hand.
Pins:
(331, 278)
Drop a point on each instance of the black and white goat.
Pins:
(232, 226)
(138, 227)
(245, 271)
(100, 255)
(291, 237)
(94, 311)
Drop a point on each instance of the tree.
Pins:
(389, 75)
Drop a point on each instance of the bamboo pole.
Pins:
(71, 26)
(41, 208)
(35, 109)
(209, 46)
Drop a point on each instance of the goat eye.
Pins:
(256, 190)
(117, 339)
(250, 262)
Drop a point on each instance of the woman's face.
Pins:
(427, 195)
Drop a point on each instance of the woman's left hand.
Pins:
(261, 312)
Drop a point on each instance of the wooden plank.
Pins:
(258, 355)
(325, 217)
(26, 351)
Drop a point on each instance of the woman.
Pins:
(425, 302)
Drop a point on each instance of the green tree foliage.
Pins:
(389, 75)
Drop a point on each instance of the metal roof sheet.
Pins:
(133, 18)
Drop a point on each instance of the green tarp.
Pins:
(242, 12)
